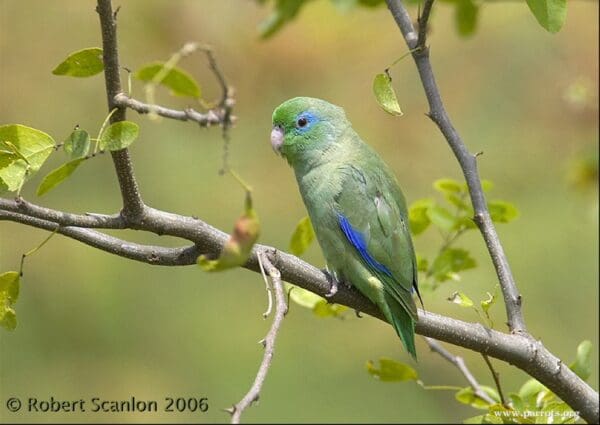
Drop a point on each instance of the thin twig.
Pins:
(226, 104)
(268, 342)
(212, 117)
(226, 91)
(468, 163)
(34, 250)
(460, 364)
(422, 21)
(496, 377)
(267, 287)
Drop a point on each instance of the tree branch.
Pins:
(561, 380)
(91, 221)
(468, 164)
(133, 205)
(459, 362)
(268, 342)
(519, 350)
(496, 377)
(212, 117)
(422, 21)
(150, 254)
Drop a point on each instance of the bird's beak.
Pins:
(277, 138)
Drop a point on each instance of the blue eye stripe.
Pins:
(305, 120)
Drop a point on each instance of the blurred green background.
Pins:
(91, 324)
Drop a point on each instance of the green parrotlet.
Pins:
(355, 205)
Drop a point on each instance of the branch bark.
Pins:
(519, 350)
(554, 372)
(459, 362)
(133, 205)
(467, 161)
(212, 117)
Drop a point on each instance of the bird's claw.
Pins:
(333, 288)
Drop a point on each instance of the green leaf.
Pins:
(284, 11)
(557, 412)
(9, 286)
(392, 371)
(461, 299)
(326, 309)
(422, 264)
(498, 414)
(8, 318)
(7, 157)
(450, 262)
(177, 80)
(83, 63)
(502, 211)
(517, 402)
(582, 365)
(33, 145)
(417, 215)
(487, 303)
(474, 420)
(302, 237)
(448, 186)
(77, 144)
(119, 135)
(465, 222)
(467, 396)
(9, 292)
(466, 17)
(302, 297)
(530, 389)
(319, 305)
(551, 14)
(385, 94)
(238, 247)
(458, 200)
(583, 172)
(441, 217)
(58, 175)
(486, 185)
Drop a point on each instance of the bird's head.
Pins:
(305, 125)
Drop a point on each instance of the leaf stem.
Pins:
(34, 250)
(110, 114)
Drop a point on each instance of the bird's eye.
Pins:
(302, 122)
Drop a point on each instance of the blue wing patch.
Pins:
(358, 241)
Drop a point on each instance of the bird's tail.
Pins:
(402, 323)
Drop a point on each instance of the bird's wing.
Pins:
(372, 215)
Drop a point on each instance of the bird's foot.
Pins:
(333, 284)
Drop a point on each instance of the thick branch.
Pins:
(268, 342)
(519, 350)
(91, 221)
(468, 163)
(212, 117)
(133, 205)
(459, 362)
(150, 254)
